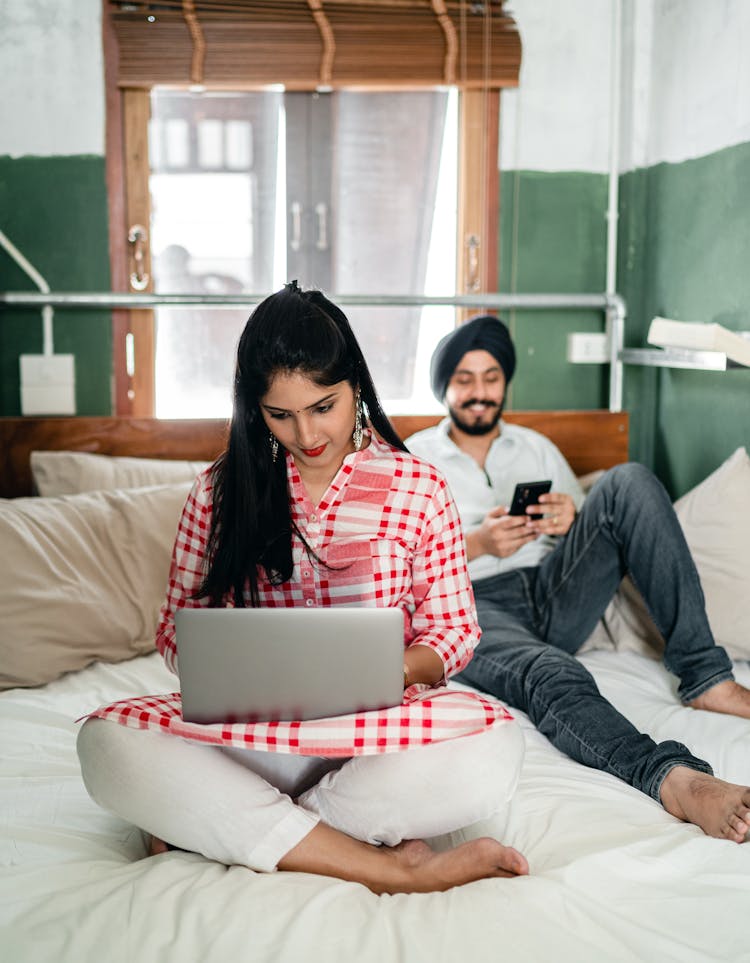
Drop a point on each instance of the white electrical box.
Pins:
(48, 384)
(585, 348)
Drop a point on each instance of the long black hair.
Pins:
(252, 526)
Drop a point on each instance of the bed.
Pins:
(613, 877)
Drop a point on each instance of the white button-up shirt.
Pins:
(516, 455)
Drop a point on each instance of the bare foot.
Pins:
(411, 852)
(410, 867)
(728, 696)
(428, 872)
(721, 809)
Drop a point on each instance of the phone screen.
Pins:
(527, 493)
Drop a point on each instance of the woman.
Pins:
(306, 504)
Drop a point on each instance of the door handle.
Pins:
(473, 280)
(295, 209)
(138, 241)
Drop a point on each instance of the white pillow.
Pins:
(72, 472)
(715, 517)
(83, 578)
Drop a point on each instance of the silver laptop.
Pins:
(252, 665)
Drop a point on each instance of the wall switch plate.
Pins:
(586, 348)
(48, 384)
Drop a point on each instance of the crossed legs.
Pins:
(355, 823)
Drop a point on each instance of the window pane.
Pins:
(210, 143)
(392, 224)
(239, 144)
(213, 223)
(205, 248)
(176, 133)
(356, 191)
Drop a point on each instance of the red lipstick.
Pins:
(313, 452)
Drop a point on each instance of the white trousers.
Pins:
(235, 805)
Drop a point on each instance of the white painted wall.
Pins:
(557, 119)
(685, 83)
(52, 78)
(700, 90)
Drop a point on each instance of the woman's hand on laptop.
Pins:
(422, 665)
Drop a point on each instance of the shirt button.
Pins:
(306, 574)
(313, 518)
(309, 602)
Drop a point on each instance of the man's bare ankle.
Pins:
(728, 697)
(675, 784)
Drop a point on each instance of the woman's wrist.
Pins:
(422, 664)
(474, 547)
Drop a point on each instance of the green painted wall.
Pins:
(684, 248)
(553, 241)
(683, 252)
(54, 209)
(633, 283)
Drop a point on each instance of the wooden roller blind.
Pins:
(306, 44)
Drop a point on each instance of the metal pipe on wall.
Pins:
(87, 299)
(615, 97)
(28, 268)
(611, 304)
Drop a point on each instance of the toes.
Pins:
(514, 863)
(520, 865)
(733, 837)
(504, 860)
(742, 815)
(739, 826)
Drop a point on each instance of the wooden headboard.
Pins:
(589, 439)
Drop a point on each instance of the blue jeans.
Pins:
(534, 619)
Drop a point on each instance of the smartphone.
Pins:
(527, 493)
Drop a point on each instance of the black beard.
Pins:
(475, 428)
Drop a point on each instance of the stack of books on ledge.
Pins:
(693, 336)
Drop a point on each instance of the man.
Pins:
(542, 584)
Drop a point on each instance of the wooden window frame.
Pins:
(127, 168)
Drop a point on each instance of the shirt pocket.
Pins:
(380, 567)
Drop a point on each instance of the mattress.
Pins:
(613, 876)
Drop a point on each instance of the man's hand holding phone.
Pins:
(526, 497)
(546, 512)
(534, 511)
(559, 514)
(500, 534)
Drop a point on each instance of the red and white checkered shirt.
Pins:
(388, 533)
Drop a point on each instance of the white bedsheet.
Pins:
(613, 877)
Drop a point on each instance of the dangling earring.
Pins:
(274, 445)
(357, 434)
